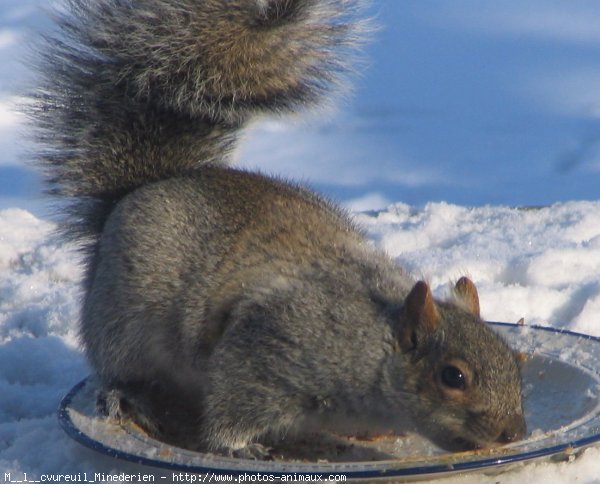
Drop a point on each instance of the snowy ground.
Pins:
(483, 107)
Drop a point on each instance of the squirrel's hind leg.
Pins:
(159, 414)
(167, 418)
(119, 405)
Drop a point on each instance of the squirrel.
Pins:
(224, 309)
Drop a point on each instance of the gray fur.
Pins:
(225, 308)
(134, 91)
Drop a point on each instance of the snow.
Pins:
(545, 261)
(467, 111)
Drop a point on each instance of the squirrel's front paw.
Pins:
(252, 452)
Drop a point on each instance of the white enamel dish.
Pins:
(561, 377)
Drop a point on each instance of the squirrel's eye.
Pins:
(452, 377)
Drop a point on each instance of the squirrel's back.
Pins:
(136, 91)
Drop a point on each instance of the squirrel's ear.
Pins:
(421, 316)
(466, 293)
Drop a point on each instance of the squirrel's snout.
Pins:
(515, 429)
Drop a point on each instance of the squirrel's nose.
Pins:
(514, 429)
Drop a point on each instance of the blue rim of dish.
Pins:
(69, 427)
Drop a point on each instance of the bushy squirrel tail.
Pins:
(136, 91)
